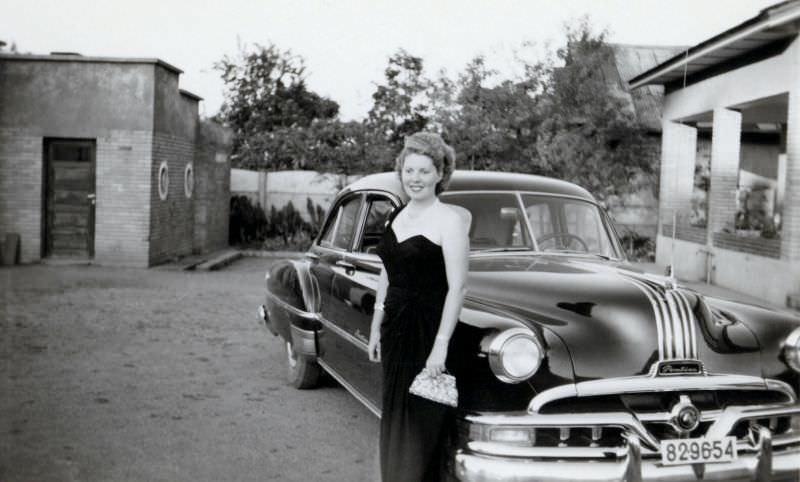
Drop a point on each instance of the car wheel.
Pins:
(302, 372)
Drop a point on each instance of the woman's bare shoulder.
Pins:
(457, 214)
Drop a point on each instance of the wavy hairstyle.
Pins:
(431, 145)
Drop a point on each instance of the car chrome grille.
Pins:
(601, 427)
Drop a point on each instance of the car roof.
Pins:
(478, 181)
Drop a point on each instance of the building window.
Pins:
(163, 181)
(188, 180)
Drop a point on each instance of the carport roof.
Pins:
(772, 24)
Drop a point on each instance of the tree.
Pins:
(347, 148)
(267, 103)
(490, 127)
(588, 135)
(400, 106)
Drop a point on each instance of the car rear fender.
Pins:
(292, 302)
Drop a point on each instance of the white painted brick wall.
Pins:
(790, 248)
(678, 151)
(725, 146)
(122, 214)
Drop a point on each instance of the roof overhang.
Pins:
(771, 25)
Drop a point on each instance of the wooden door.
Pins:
(70, 192)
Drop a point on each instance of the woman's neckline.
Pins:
(412, 220)
(422, 211)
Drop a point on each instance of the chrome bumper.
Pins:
(478, 468)
(762, 455)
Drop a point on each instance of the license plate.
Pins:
(698, 450)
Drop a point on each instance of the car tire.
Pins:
(302, 372)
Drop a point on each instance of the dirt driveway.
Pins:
(161, 374)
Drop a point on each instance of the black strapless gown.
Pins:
(413, 429)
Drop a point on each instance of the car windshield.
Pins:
(500, 222)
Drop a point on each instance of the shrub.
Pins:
(638, 247)
(283, 229)
(247, 221)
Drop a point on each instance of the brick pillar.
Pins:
(790, 245)
(678, 151)
(725, 145)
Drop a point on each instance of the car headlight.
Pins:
(791, 350)
(514, 354)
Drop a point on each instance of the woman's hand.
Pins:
(435, 362)
(374, 347)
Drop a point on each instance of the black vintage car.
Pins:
(584, 368)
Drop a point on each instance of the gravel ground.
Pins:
(161, 374)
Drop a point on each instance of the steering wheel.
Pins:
(569, 236)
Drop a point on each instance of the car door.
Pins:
(354, 290)
(326, 258)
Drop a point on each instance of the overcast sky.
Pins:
(346, 43)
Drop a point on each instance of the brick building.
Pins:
(106, 159)
(730, 162)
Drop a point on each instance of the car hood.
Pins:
(615, 320)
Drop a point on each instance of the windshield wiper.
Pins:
(504, 250)
(575, 251)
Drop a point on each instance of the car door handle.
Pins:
(348, 268)
(312, 256)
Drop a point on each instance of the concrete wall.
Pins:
(212, 192)
(746, 273)
(277, 189)
(76, 99)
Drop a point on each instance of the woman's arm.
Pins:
(455, 248)
(377, 318)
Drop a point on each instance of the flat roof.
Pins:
(98, 60)
(190, 95)
(770, 25)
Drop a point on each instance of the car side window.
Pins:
(340, 229)
(378, 213)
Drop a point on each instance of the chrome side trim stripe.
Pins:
(318, 317)
(691, 321)
(658, 313)
(675, 325)
(683, 318)
(292, 309)
(345, 335)
(674, 318)
(350, 388)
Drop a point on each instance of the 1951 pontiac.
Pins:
(583, 367)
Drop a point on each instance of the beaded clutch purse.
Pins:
(441, 389)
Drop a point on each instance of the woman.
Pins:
(420, 292)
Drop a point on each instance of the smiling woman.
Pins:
(420, 292)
